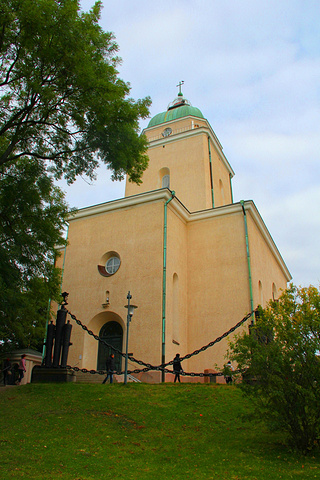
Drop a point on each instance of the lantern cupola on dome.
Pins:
(180, 107)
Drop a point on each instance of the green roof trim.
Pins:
(174, 114)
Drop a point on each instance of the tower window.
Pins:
(166, 181)
(164, 178)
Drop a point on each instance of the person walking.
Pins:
(6, 371)
(177, 368)
(228, 371)
(110, 366)
(22, 368)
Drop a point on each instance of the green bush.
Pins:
(280, 367)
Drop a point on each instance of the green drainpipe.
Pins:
(248, 256)
(231, 188)
(211, 178)
(164, 285)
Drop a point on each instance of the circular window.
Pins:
(166, 132)
(112, 265)
(109, 264)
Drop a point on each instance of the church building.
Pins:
(194, 261)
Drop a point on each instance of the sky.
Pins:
(253, 69)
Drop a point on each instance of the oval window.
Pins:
(112, 265)
(109, 264)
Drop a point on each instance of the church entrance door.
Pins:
(111, 333)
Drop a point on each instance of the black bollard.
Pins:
(61, 320)
(49, 344)
(66, 343)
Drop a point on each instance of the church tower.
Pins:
(186, 156)
(194, 261)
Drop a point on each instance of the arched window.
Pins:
(221, 192)
(166, 181)
(164, 175)
(274, 291)
(260, 294)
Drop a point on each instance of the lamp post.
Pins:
(129, 316)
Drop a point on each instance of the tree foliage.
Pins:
(32, 218)
(61, 100)
(63, 110)
(279, 361)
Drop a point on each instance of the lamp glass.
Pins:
(131, 309)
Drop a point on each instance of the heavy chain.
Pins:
(101, 340)
(143, 370)
(217, 340)
(160, 367)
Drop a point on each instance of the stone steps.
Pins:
(96, 378)
(90, 378)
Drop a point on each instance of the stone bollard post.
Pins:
(66, 334)
(61, 320)
(49, 344)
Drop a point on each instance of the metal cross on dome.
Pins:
(180, 85)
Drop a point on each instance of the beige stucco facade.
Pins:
(184, 256)
(193, 157)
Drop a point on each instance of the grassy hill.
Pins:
(140, 431)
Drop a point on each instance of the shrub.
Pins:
(280, 366)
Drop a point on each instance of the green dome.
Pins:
(179, 108)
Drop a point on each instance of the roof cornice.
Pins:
(176, 206)
(126, 202)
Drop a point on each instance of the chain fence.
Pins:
(149, 366)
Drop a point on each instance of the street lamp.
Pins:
(129, 316)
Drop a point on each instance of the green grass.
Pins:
(140, 431)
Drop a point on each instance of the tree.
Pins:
(63, 110)
(279, 361)
(61, 101)
(33, 215)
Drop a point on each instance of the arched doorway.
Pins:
(112, 333)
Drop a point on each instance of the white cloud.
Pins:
(253, 69)
(297, 224)
(83, 193)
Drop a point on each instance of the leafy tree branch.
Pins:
(60, 94)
